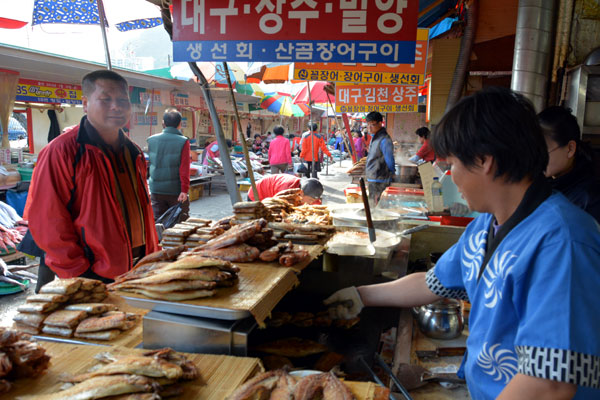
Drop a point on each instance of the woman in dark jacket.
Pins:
(570, 166)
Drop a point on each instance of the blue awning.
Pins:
(432, 11)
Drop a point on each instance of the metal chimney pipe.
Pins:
(533, 43)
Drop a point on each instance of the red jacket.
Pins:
(270, 185)
(306, 155)
(95, 228)
(426, 151)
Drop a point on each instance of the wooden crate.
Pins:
(196, 191)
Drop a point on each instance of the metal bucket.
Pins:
(384, 220)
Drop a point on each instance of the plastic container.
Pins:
(25, 173)
(450, 191)
(353, 194)
(437, 199)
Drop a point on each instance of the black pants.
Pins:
(309, 166)
(162, 202)
(376, 189)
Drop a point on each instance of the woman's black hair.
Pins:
(278, 130)
(561, 126)
(256, 135)
(423, 132)
(494, 122)
(358, 133)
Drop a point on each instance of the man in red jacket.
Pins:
(270, 185)
(88, 205)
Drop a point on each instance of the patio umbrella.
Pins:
(318, 93)
(281, 103)
(251, 89)
(236, 74)
(275, 72)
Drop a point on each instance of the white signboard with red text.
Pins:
(353, 31)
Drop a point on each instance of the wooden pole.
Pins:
(243, 137)
(230, 181)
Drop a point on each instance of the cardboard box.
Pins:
(196, 192)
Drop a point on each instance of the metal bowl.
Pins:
(384, 220)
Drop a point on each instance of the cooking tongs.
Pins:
(389, 372)
(370, 227)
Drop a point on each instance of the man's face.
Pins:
(107, 108)
(374, 127)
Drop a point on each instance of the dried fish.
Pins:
(152, 367)
(99, 387)
(115, 320)
(37, 307)
(92, 308)
(65, 318)
(101, 335)
(62, 286)
(33, 320)
(55, 330)
(174, 296)
(171, 286)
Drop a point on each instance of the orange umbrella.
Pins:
(268, 73)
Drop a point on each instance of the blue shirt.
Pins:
(533, 311)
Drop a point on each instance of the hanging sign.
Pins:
(146, 96)
(48, 92)
(382, 98)
(179, 99)
(140, 119)
(299, 30)
(394, 74)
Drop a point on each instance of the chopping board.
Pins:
(427, 347)
(220, 374)
(260, 287)
(128, 338)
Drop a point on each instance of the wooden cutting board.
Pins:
(221, 374)
(260, 287)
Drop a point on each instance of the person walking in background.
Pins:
(296, 143)
(359, 145)
(280, 155)
(88, 205)
(381, 166)
(169, 153)
(425, 153)
(310, 154)
(570, 167)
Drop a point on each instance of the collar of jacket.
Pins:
(84, 137)
(170, 129)
(380, 132)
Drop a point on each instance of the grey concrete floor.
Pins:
(215, 206)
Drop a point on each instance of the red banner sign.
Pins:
(309, 30)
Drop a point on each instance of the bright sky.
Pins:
(79, 41)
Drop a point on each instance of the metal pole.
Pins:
(244, 144)
(313, 172)
(102, 16)
(232, 188)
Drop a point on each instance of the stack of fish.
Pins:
(278, 384)
(202, 236)
(277, 206)
(309, 214)
(303, 233)
(173, 237)
(245, 211)
(190, 277)
(63, 304)
(19, 358)
(155, 374)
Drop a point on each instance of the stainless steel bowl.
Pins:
(440, 320)
(384, 220)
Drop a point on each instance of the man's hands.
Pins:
(344, 304)
(182, 197)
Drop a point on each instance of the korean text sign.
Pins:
(382, 98)
(394, 74)
(372, 31)
(48, 92)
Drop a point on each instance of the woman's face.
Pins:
(560, 158)
(469, 182)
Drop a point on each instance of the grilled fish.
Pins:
(33, 320)
(259, 387)
(99, 387)
(100, 335)
(92, 308)
(162, 255)
(114, 320)
(204, 274)
(238, 253)
(62, 286)
(172, 286)
(65, 318)
(198, 261)
(47, 298)
(152, 367)
(173, 296)
(236, 235)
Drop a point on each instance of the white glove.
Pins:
(458, 210)
(344, 304)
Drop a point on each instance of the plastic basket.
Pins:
(25, 173)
